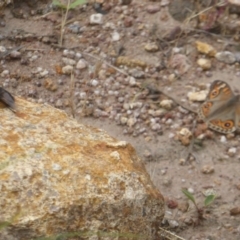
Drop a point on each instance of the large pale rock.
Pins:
(61, 178)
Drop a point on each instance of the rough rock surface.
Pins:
(59, 177)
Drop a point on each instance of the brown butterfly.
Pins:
(221, 109)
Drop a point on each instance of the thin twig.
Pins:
(110, 65)
(63, 24)
(177, 102)
(169, 235)
(72, 85)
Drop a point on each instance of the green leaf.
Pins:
(76, 3)
(58, 4)
(209, 199)
(188, 195)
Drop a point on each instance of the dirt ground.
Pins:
(102, 92)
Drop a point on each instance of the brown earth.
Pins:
(35, 27)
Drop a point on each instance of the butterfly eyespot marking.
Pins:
(214, 93)
(228, 124)
(207, 105)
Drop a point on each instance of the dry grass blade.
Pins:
(169, 235)
(71, 97)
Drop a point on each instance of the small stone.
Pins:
(164, 3)
(205, 64)
(232, 151)
(223, 139)
(94, 82)
(3, 49)
(65, 52)
(197, 96)
(50, 85)
(155, 126)
(172, 77)
(131, 122)
(167, 181)
(172, 203)
(132, 81)
(59, 103)
(207, 169)
(153, 8)
(166, 104)
(151, 47)
(82, 64)
(205, 48)
(123, 120)
(115, 36)
(182, 161)
(96, 18)
(67, 70)
(226, 57)
(69, 61)
(137, 73)
(5, 73)
(147, 154)
(15, 55)
(44, 73)
(180, 62)
(191, 190)
(235, 211)
(184, 136)
(173, 223)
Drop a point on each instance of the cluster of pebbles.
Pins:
(85, 84)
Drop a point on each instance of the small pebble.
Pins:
(166, 104)
(205, 64)
(226, 57)
(67, 69)
(69, 61)
(232, 151)
(206, 169)
(151, 47)
(153, 8)
(82, 64)
(197, 96)
(96, 18)
(223, 139)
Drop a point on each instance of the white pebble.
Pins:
(65, 52)
(81, 64)
(2, 49)
(232, 151)
(82, 95)
(78, 55)
(5, 73)
(43, 73)
(167, 104)
(223, 139)
(94, 82)
(115, 36)
(96, 18)
(132, 81)
(68, 61)
(190, 190)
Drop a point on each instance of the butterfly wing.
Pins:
(7, 98)
(219, 109)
